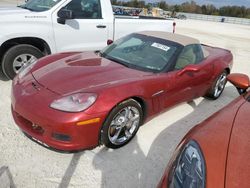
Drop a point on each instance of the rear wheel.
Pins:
(122, 124)
(218, 86)
(17, 57)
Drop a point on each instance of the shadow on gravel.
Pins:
(70, 170)
(121, 167)
(6, 179)
(129, 166)
(2, 76)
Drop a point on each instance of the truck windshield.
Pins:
(142, 52)
(39, 5)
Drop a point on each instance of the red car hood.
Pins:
(83, 71)
(238, 162)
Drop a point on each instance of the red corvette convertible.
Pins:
(78, 100)
(216, 152)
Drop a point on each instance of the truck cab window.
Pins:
(85, 9)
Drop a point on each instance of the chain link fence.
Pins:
(225, 19)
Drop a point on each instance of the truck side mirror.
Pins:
(64, 15)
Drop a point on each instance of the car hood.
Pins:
(213, 136)
(16, 16)
(11, 9)
(5, 11)
(84, 72)
(238, 165)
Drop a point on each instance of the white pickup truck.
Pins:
(42, 27)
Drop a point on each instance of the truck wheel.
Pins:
(122, 124)
(218, 86)
(17, 57)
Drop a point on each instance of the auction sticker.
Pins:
(160, 46)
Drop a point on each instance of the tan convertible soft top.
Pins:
(180, 39)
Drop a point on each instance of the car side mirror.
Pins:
(188, 68)
(64, 15)
(240, 81)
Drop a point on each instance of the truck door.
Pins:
(87, 30)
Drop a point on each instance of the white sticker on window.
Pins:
(160, 46)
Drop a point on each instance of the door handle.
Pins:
(101, 26)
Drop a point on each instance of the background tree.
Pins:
(189, 7)
(163, 5)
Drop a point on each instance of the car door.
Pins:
(87, 31)
(190, 77)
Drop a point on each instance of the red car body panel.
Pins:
(67, 73)
(238, 162)
(223, 139)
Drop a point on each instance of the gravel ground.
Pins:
(141, 163)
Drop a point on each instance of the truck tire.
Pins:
(18, 56)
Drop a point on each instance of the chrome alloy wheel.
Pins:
(124, 125)
(220, 84)
(22, 60)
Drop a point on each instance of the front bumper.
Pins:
(49, 127)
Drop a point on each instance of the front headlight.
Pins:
(26, 69)
(188, 170)
(74, 103)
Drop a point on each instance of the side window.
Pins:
(85, 9)
(199, 53)
(191, 54)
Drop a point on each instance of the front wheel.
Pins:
(122, 124)
(218, 86)
(17, 57)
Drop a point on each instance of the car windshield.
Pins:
(141, 52)
(39, 5)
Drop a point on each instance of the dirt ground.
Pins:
(141, 163)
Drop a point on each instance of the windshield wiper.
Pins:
(99, 53)
(117, 61)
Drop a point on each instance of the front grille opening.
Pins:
(31, 126)
(23, 120)
(37, 129)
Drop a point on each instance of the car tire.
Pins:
(218, 86)
(122, 124)
(17, 56)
